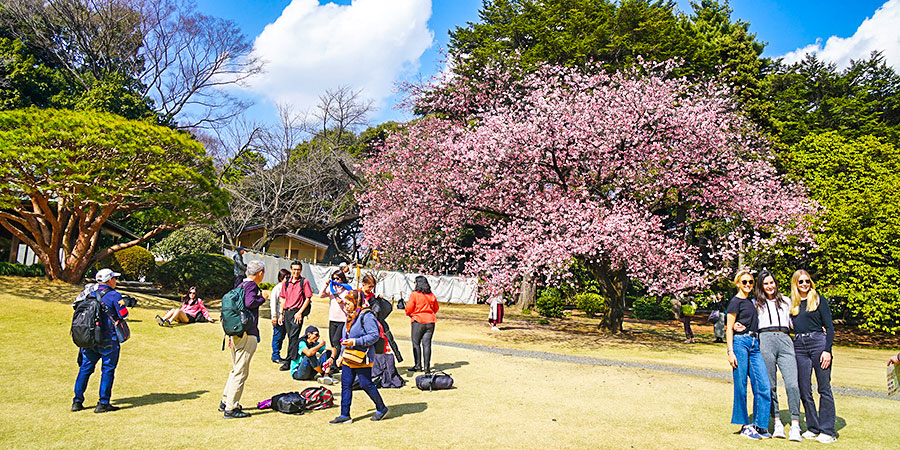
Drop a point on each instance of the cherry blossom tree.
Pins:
(638, 174)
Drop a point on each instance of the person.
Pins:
(240, 269)
(687, 310)
(495, 314)
(113, 309)
(295, 295)
(422, 308)
(315, 358)
(359, 334)
(895, 360)
(719, 325)
(382, 308)
(243, 346)
(813, 338)
(192, 310)
(777, 349)
(278, 331)
(746, 361)
(345, 268)
(335, 290)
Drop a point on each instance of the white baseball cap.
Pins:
(104, 275)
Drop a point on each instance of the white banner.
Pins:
(390, 285)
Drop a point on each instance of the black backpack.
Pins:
(288, 403)
(87, 321)
(381, 307)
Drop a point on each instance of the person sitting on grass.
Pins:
(314, 358)
(192, 310)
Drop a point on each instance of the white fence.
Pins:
(390, 285)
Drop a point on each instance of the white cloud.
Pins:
(369, 44)
(879, 32)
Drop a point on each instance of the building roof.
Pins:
(296, 236)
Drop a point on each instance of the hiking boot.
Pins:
(779, 430)
(795, 434)
(750, 432)
(105, 407)
(222, 406)
(159, 320)
(77, 406)
(340, 419)
(825, 438)
(379, 415)
(809, 435)
(236, 413)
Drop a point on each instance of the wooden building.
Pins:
(289, 245)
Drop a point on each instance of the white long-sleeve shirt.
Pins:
(774, 315)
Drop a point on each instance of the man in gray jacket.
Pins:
(240, 269)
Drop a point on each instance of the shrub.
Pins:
(21, 270)
(652, 308)
(592, 304)
(266, 286)
(550, 303)
(543, 321)
(132, 262)
(189, 240)
(212, 274)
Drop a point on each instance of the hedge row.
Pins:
(21, 270)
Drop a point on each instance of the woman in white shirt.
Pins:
(278, 331)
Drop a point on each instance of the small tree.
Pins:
(189, 240)
(64, 173)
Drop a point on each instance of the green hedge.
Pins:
(212, 274)
(132, 262)
(550, 303)
(266, 286)
(652, 308)
(189, 240)
(592, 304)
(21, 270)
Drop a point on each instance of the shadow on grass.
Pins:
(400, 410)
(839, 422)
(157, 398)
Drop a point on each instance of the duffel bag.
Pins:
(288, 403)
(434, 381)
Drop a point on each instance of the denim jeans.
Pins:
(277, 341)
(750, 364)
(306, 370)
(365, 382)
(109, 353)
(808, 349)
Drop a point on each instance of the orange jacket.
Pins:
(422, 307)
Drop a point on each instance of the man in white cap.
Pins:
(114, 309)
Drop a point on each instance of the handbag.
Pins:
(714, 316)
(354, 356)
(122, 330)
(434, 381)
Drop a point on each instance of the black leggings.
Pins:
(335, 333)
(421, 343)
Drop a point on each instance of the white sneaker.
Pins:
(495, 328)
(779, 430)
(326, 380)
(825, 439)
(795, 434)
(809, 435)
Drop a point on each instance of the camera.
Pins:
(129, 301)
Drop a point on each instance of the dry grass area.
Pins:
(169, 383)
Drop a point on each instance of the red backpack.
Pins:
(317, 398)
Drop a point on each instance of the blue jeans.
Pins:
(750, 363)
(808, 349)
(109, 353)
(277, 341)
(365, 382)
(306, 370)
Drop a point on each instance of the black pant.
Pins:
(808, 349)
(238, 279)
(421, 343)
(335, 333)
(292, 330)
(688, 333)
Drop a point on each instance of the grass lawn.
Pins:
(169, 383)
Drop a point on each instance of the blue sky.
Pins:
(785, 25)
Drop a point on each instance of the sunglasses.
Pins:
(804, 281)
(746, 282)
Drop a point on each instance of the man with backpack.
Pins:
(112, 308)
(243, 342)
(295, 295)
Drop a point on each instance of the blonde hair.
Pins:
(812, 299)
(739, 275)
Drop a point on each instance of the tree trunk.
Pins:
(614, 284)
(527, 293)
